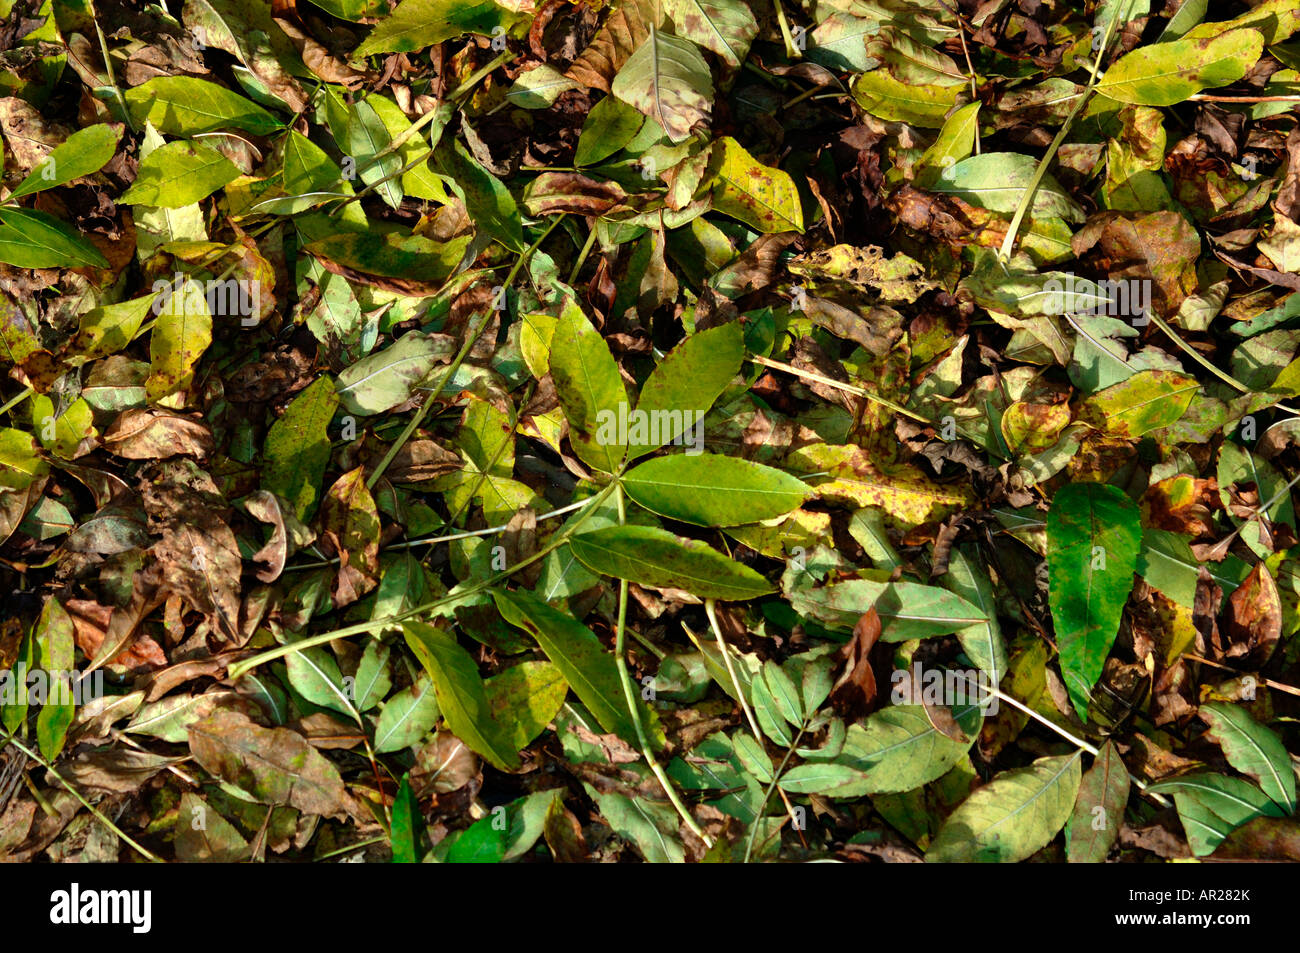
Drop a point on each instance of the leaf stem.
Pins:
(1073, 739)
(239, 669)
(454, 366)
(1027, 199)
(10, 405)
(710, 611)
(143, 852)
(629, 696)
(791, 50)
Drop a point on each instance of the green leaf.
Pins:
(997, 181)
(907, 610)
(297, 448)
(651, 827)
(1253, 750)
(460, 693)
(756, 194)
(408, 824)
(1099, 809)
(655, 557)
(185, 106)
(1168, 563)
(886, 98)
(365, 138)
(83, 152)
(667, 79)
(354, 10)
(417, 24)
(108, 329)
(372, 679)
(955, 141)
(407, 717)
(491, 206)
(1162, 74)
(768, 714)
(179, 174)
(588, 383)
(1144, 402)
(829, 779)
(31, 239)
(712, 490)
(689, 378)
(525, 698)
(895, 749)
(315, 676)
(983, 642)
(1212, 806)
(785, 696)
(56, 655)
(898, 748)
(382, 381)
(181, 333)
(1011, 817)
(539, 88)
(392, 254)
(483, 842)
(1093, 537)
(609, 126)
(574, 649)
(726, 27)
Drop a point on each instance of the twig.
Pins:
(1290, 690)
(143, 852)
(450, 370)
(239, 669)
(629, 696)
(1091, 749)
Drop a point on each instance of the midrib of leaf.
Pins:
(416, 702)
(253, 754)
(677, 571)
(1151, 77)
(663, 846)
(384, 369)
(324, 677)
(1132, 408)
(1242, 735)
(1025, 805)
(1215, 792)
(746, 491)
(654, 74)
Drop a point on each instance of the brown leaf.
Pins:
(114, 770)
(563, 834)
(199, 561)
(273, 765)
(153, 434)
(1255, 619)
(1262, 839)
(350, 523)
(572, 192)
(625, 30)
(90, 624)
(854, 693)
(444, 765)
(287, 534)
